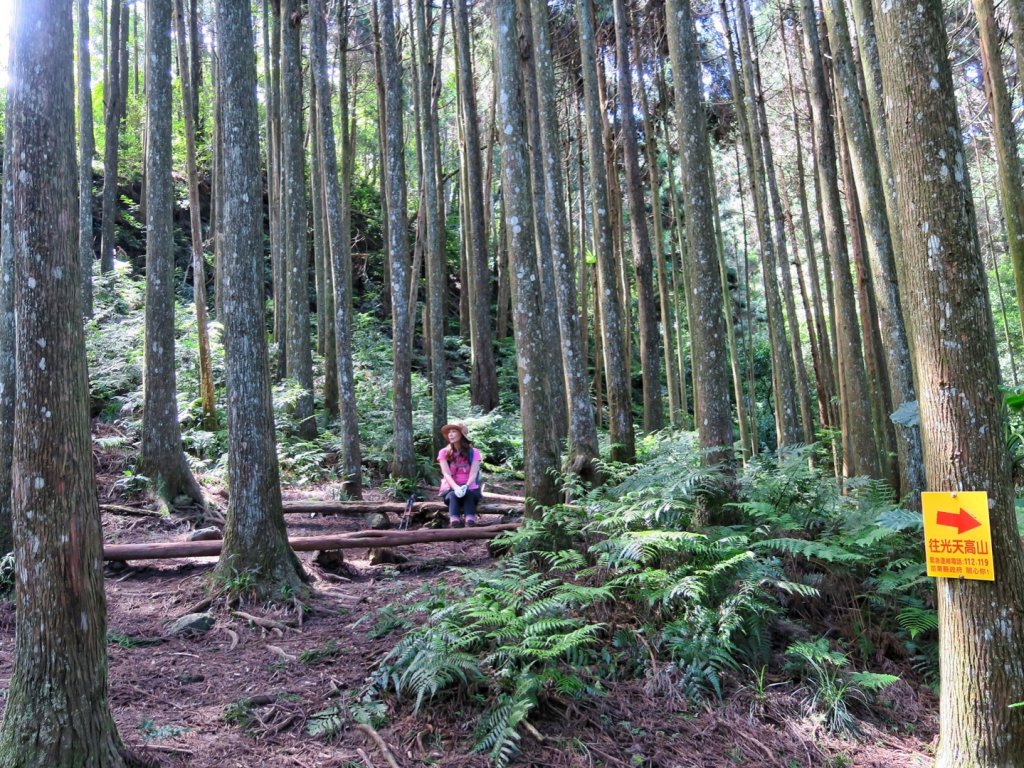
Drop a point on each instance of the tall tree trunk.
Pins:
(338, 239)
(962, 421)
(198, 259)
(7, 349)
(995, 266)
(255, 539)
(540, 450)
(403, 464)
(881, 255)
(86, 149)
(713, 416)
(162, 458)
(57, 710)
(787, 421)
(483, 386)
(299, 351)
(558, 419)
(434, 252)
(859, 455)
(1004, 133)
(275, 194)
(382, 144)
(824, 372)
(613, 329)
(643, 262)
(759, 124)
(583, 448)
(112, 125)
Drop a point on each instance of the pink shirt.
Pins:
(459, 466)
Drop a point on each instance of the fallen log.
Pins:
(356, 540)
(309, 507)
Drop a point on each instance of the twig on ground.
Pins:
(281, 652)
(370, 731)
(234, 638)
(261, 621)
(365, 758)
(119, 509)
(533, 731)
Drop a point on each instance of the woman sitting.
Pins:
(460, 470)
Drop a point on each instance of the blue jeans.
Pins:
(464, 507)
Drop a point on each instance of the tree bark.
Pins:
(540, 450)
(7, 350)
(57, 710)
(403, 464)
(112, 125)
(880, 249)
(613, 329)
(86, 149)
(255, 540)
(162, 458)
(787, 421)
(583, 447)
(338, 237)
(713, 415)
(434, 251)
(859, 455)
(963, 424)
(356, 540)
(298, 347)
(196, 225)
(643, 261)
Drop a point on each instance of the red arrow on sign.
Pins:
(962, 521)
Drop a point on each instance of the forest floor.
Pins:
(240, 695)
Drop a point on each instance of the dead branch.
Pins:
(370, 731)
(309, 507)
(119, 509)
(356, 540)
(262, 621)
(280, 652)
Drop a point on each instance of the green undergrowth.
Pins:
(115, 345)
(810, 586)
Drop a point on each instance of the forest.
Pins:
(714, 308)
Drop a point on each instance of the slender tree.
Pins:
(403, 464)
(57, 710)
(111, 128)
(86, 149)
(712, 415)
(339, 253)
(483, 377)
(255, 540)
(161, 458)
(963, 426)
(540, 451)
(643, 261)
(880, 251)
(7, 370)
(583, 447)
(196, 225)
(859, 455)
(299, 349)
(1004, 133)
(613, 327)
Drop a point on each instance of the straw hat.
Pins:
(455, 425)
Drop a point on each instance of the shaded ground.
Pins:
(241, 695)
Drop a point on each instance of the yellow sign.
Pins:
(957, 535)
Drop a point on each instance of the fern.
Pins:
(918, 620)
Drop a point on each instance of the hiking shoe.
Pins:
(455, 522)
(470, 522)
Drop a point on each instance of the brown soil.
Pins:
(181, 701)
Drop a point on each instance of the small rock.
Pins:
(182, 500)
(386, 557)
(191, 624)
(205, 534)
(377, 522)
(187, 678)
